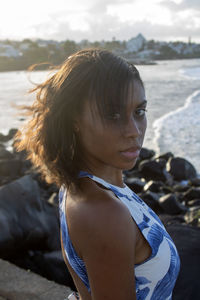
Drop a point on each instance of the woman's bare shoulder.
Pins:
(98, 216)
(95, 204)
(105, 236)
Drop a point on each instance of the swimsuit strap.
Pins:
(102, 181)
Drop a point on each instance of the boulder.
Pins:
(132, 173)
(167, 189)
(195, 182)
(171, 219)
(146, 154)
(5, 154)
(161, 161)
(153, 170)
(166, 156)
(9, 136)
(192, 193)
(171, 205)
(53, 267)
(3, 138)
(181, 188)
(12, 133)
(192, 217)
(187, 241)
(26, 221)
(135, 184)
(195, 202)
(151, 199)
(154, 186)
(180, 168)
(10, 168)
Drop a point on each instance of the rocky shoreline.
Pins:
(29, 216)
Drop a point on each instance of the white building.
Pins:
(9, 51)
(24, 46)
(135, 44)
(45, 43)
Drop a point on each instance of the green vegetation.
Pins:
(20, 55)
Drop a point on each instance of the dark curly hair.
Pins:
(48, 136)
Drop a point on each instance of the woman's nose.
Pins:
(132, 128)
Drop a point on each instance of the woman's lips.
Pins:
(131, 153)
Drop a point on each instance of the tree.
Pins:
(167, 52)
(151, 44)
(69, 47)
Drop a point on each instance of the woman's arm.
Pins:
(107, 243)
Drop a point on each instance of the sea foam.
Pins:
(190, 72)
(179, 131)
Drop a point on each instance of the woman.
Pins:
(88, 124)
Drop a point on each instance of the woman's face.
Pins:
(114, 144)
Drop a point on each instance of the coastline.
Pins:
(166, 89)
(179, 129)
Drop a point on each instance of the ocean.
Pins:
(173, 95)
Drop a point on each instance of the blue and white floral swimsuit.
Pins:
(155, 277)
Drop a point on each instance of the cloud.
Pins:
(105, 19)
(110, 26)
(100, 6)
(184, 5)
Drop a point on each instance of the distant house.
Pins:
(191, 48)
(179, 47)
(147, 54)
(135, 44)
(45, 43)
(183, 48)
(9, 51)
(24, 46)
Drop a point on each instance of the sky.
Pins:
(97, 20)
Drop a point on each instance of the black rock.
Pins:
(146, 153)
(151, 199)
(12, 133)
(153, 170)
(192, 193)
(192, 217)
(154, 186)
(53, 199)
(5, 154)
(3, 138)
(195, 181)
(167, 189)
(51, 265)
(26, 221)
(181, 169)
(171, 219)
(171, 205)
(161, 161)
(195, 202)
(187, 241)
(181, 188)
(180, 197)
(10, 167)
(135, 184)
(6, 138)
(166, 156)
(132, 173)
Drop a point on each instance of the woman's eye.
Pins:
(141, 112)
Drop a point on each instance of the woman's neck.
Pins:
(113, 176)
